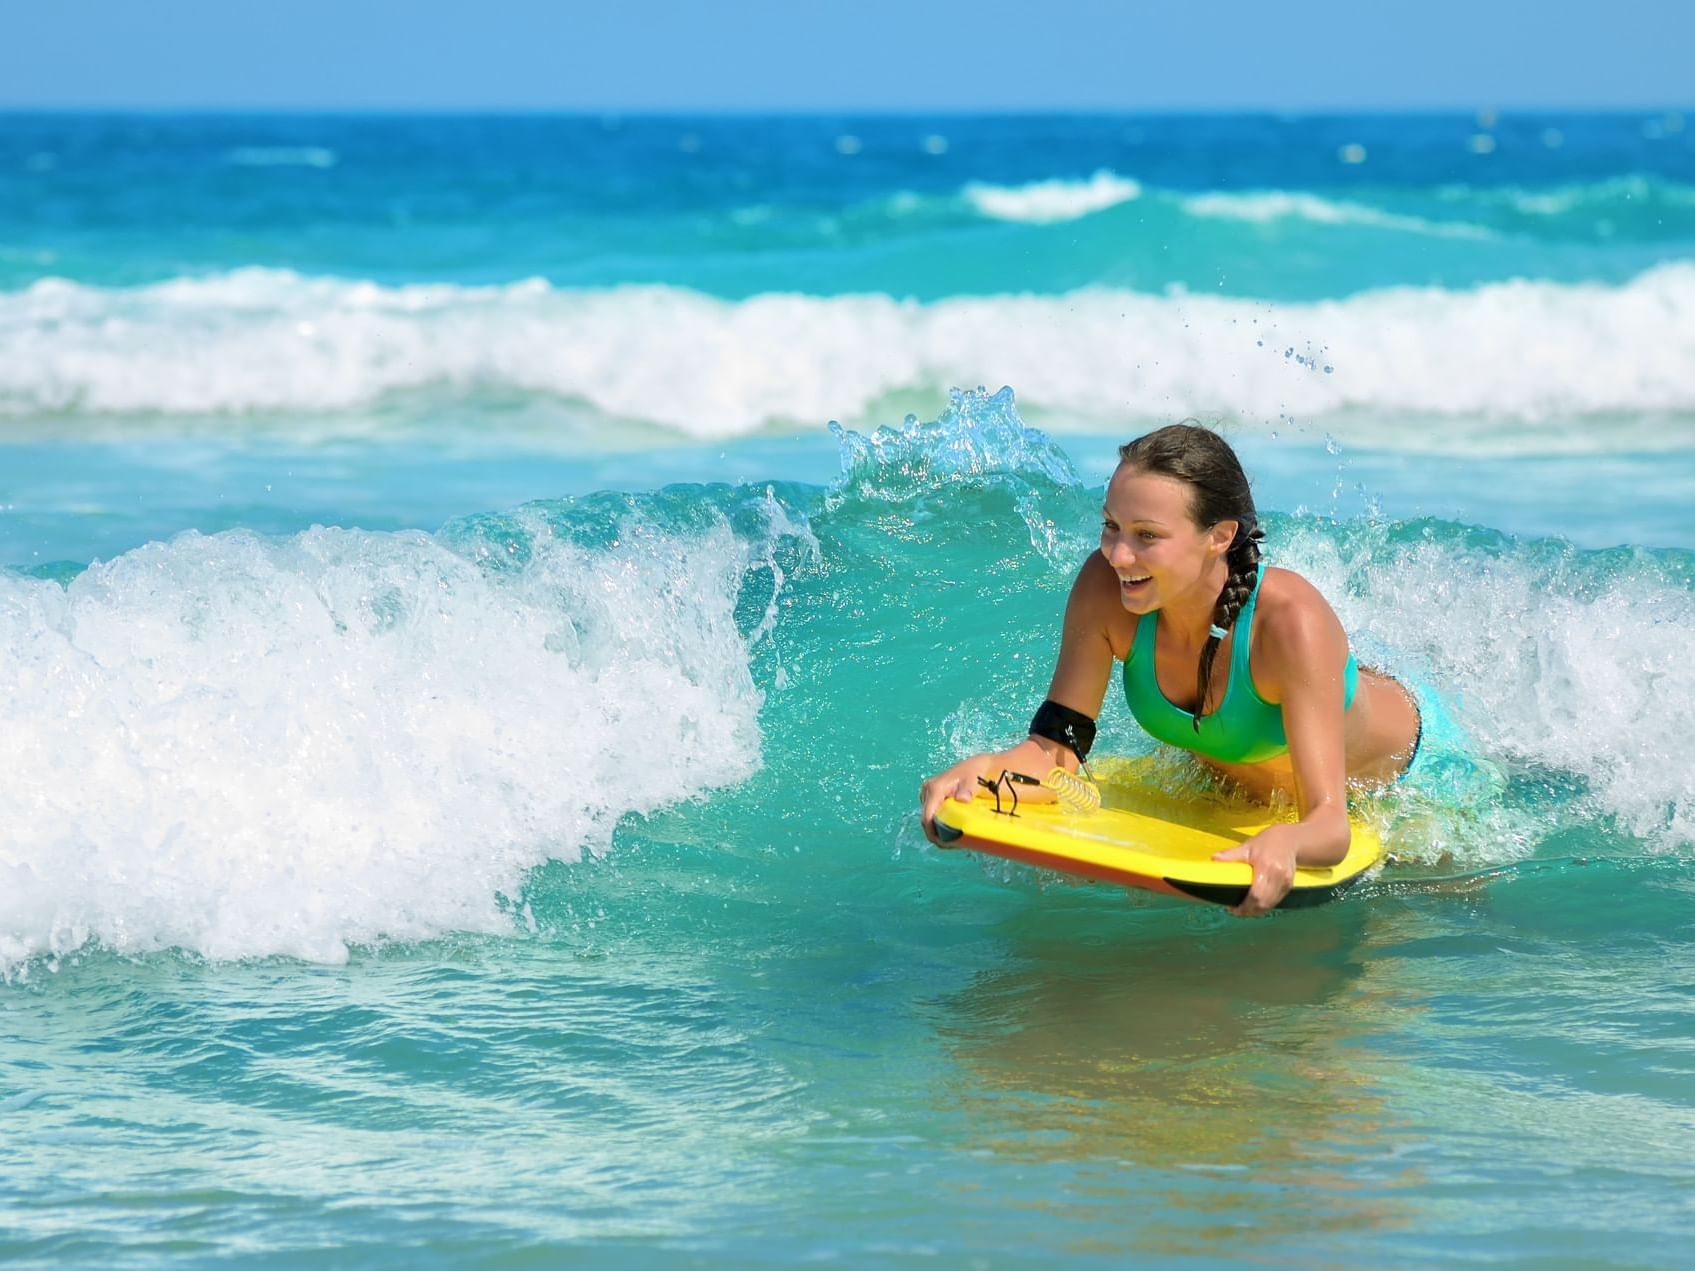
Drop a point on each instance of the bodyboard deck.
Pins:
(1148, 836)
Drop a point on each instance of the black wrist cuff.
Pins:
(1064, 725)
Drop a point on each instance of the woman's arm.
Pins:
(1084, 667)
(1303, 655)
(1079, 681)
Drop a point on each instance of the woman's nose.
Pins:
(1119, 554)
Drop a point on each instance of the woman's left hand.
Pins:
(1272, 854)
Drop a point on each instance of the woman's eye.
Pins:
(1147, 536)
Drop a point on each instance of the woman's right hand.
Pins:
(958, 782)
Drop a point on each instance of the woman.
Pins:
(1247, 667)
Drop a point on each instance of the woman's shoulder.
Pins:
(1291, 612)
(1283, 590)
(1095, 594)
(1096, 574)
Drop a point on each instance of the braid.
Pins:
(1243, 559)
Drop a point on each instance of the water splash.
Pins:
(242, 746)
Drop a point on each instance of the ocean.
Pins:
(478, 595)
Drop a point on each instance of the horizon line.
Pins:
(1475, 109)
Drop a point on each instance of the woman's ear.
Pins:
(1221, 535)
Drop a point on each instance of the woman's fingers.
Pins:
(930, 801)
(1249, 906)
(1252, 906)
(1273, 860)
(937, 791)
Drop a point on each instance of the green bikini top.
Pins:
(1245, 728)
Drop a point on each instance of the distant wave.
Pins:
(1055, 201)
(1271, 205)
(1638, 193)
(260, 341)
(1048, 202)
(1633, 207)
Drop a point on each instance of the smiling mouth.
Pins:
(1136, 582)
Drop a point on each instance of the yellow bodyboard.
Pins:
(1146, 835)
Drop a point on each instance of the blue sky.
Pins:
(854, 55)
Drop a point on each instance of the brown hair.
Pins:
(1218, 491)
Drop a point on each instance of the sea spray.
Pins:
(242, 746)
(1559, 665)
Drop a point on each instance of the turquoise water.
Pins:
(461, 733)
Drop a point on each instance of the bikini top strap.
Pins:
(1146, 634)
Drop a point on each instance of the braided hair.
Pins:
(1218, 491)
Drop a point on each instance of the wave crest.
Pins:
(243, 747)
(1273, 205)
(1051, 202)
(1534, 354)
(1561, 662)
(976, 440)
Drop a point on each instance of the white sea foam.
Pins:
(1274, 205)
(1049, 202)
(1591, 196)
(243, 746)
(1545, 662)
(1528, 356)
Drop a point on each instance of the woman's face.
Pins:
(1151, 541)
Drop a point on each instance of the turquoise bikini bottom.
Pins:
(1446, 766)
